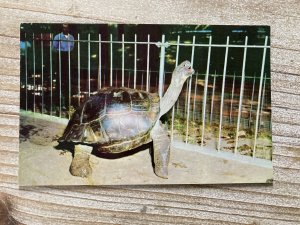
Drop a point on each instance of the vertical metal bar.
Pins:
(89, 65)
(42, 70)
(69, 77)
(189, 93)
(195, 95)
(222, 94)
(161, 66)
(262, 103)
(259, 95)
(173, 108)
(172, 125)
(177, 50)
(205, 92)
(59, 74)
(51, 75)
(123, 50)
(33, 49)
(79, 94)
(134, 72)
(241, 96)
(111, 61)
(148, 58)
(212, 99)
(26, 75)
(232, 96)
(201, 100)
(99, 70)
(251, 103)
(186, 98)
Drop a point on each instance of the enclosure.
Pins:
(225, 106)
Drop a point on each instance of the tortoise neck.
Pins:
(170, 97)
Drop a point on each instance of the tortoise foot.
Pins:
(80, 166)
(161, 172)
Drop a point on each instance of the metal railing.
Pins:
(189, 114)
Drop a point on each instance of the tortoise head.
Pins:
(179, 76)
(183, 71)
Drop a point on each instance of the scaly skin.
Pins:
(161, 150)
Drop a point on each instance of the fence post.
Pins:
(262, 102)
(42, 70)
(99, 68)
(205, 92)
(123, 52)
(89, 65)
(26, 74)
(51, 75)
(251, 103)
(195, 95)
(173, 108)
(33, 49)
(111, 61)
(148, 53)
(232, 97)
(163, 45)
(189, 93)
(241, 96)
(186, 98)
(69, 69)
(78, 69)
(259, 95)
(59, 74)
(135, 56)
(222, 95)
(213, 99)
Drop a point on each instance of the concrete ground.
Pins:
(42, 164)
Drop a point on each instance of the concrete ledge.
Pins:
(45, 117)
(223, 155)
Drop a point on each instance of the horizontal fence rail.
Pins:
(208, 104)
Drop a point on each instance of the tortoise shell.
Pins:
(114, 119)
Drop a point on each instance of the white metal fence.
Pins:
(191, 104)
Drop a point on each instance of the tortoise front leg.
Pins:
(80, 165)
(161, 150)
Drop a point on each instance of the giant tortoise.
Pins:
(115, 120)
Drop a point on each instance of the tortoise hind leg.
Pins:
(161, 150)
(80, 165)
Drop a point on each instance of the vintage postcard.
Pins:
(136, 104)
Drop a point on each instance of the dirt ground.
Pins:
(41, 163)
